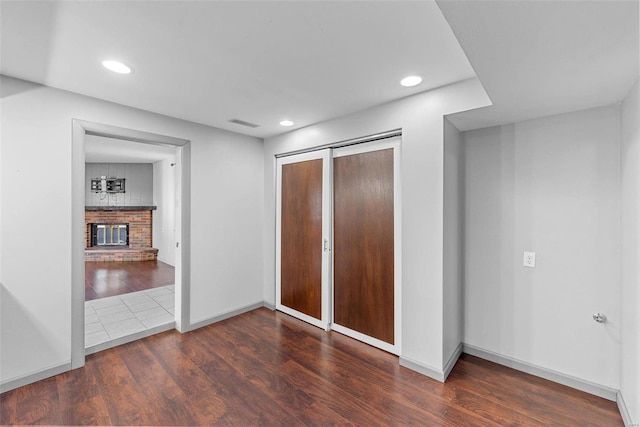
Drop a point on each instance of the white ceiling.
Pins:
(539, 58)
(99, 149)
(211, 61)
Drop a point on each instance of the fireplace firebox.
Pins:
(109, 235)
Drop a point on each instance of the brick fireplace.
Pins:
(138, 220)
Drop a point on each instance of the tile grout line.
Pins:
(149, 295)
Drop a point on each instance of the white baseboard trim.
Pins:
(430, 371)
(452, 361)
(269, 306)
(35, 376)
(162, 259)
(624, 411)
(226, 315)
(423, 369)
(555, 376)
(129, 338)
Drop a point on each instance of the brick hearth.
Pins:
(139, 219)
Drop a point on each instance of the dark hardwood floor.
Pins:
(266, 368)
(106, 279)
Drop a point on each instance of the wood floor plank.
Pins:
(423, 392)
(105, 279)
(210, 377)
(242, 391)
(181, 358)
(263, 367)
(126, 402)
(266, 368)
(166, 399)
(537, 395)
(77, 385)
(8, 402)
(375, 396)
(80, 399)
(36, 403)
(176, 354)
(317, 413)
(546, 390)
(521, 409)
(340, 370)
(88, 412)
(331, 396)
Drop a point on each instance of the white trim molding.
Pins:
(431, 372)
(548, 374)
(392, 141)
(325, 301)
(452, 361)
(34, 376)
(421, 368)
(268, 306)
(226, 315)
(80, 128)
(624, 411)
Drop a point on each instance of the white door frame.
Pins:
(393, 143)
(325, 243)
(183, 237)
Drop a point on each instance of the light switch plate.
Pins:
(529, 259)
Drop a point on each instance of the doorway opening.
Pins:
(130, 268)
(129, 251)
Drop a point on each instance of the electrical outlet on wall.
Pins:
(529, 259)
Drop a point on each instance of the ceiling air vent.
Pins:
(243, 123)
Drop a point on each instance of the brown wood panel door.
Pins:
(363, 191)
(301, 237)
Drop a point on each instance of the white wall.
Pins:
(164, 198)
(138, 184)
(453, 268)
(227, 226)
(421, 120)
(630, 231)
(226, 218)
(551, 186)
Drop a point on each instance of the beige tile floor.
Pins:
(115, 318)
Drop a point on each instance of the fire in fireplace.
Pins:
(109, 234)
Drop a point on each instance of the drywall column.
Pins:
(453, 255)
(421, 119)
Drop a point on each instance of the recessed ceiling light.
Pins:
(286, 123)
(411, 81)
(116, 67)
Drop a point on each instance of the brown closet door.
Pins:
(301, 237)
(363, 243)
